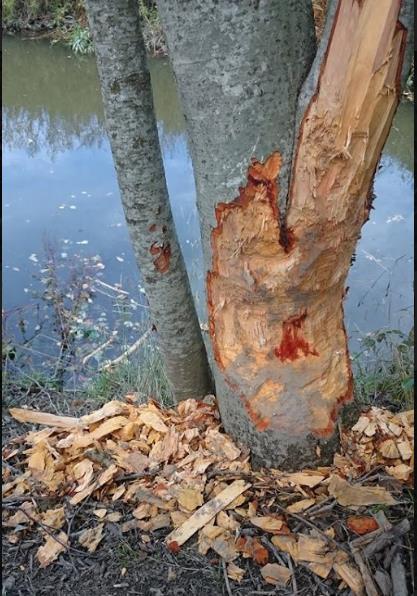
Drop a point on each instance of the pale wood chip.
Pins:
(153, 420)
(389, 449)
(189, 498)
(275, 574)
(267, 523)
(91, 538)
(347, 494)
(220, 445)
(350, 576)
(235, 573)
(35, 417)
(109, 426)
(305, 479)
(302, 505)
(50, 551)
(206, 513)
(111, 408)
(100, 513)
(162, 520)
(401, 472)
(405, 450)
(54, 518)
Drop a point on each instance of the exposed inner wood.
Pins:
(275, 292)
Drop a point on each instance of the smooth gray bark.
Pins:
(131, 126)
(239, 66)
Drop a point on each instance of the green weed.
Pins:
(384, 369)
(142, 374)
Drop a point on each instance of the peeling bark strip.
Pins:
(131, 125)
(275, 306)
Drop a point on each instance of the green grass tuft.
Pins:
(142, 374)
(384, 369)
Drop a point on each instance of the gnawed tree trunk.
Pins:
(131, 126)
(277, 251)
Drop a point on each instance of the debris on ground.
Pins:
(176, 470)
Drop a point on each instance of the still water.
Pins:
(59, 186)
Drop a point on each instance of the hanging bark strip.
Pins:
(275, 291)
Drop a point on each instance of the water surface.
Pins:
(59, 186)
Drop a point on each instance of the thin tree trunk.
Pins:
(278, 253)
(131, 126)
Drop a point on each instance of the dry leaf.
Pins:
(178, 518)
(347, 494)
(313, 550)
(251, 547)
(91, 538)
(235, 573)
(275, 574)
(50, 551)
(119, 492)
(20, 516)
(361, 524)
(78, 497)
(107, 475)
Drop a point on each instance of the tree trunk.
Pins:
(131, 126)
(277, 251)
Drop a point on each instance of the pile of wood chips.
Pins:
(176, 468)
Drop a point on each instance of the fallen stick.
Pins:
(35, 417)
(127, 353)
(368, 581)
(106, 285)
(203, 515)
(386, 538)
(399, 581)
(99, 348)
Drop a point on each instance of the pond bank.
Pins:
(66, 21)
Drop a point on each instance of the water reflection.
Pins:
(59, 180)
(52, 102)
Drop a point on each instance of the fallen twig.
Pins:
(99, 348)
(127, 352)
(386, 538)
(226, 578)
